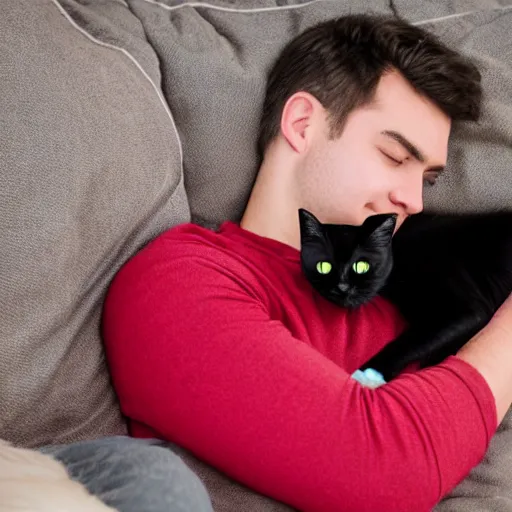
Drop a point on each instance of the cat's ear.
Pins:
(310, 227)
(378, 230)
(316, 250)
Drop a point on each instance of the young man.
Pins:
(217, 342)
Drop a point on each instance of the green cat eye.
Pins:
(323, 267)
(361, 267)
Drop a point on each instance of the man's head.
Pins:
(357, 116)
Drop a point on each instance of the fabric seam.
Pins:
(139, 67)
(206, 5)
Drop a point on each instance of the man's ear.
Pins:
(296, 120)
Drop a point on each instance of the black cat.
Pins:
(447, 274)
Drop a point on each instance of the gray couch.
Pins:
(122, 118)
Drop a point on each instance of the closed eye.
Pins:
(395, 161)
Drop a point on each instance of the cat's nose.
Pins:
(343, 287)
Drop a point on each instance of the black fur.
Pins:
(342, 246)
(448, 275)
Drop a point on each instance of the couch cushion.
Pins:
(214, 60)
(479, 171)
(90, 170)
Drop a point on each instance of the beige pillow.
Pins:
(90, 170)
(33, 482)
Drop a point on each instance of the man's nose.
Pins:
(409, 196)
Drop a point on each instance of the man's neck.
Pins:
(271, 211)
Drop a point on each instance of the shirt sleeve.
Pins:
(195, 357)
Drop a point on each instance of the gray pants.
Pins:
(134, 475)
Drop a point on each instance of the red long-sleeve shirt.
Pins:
(217, 342)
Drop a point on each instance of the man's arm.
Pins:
(490, 352)
(195, 357)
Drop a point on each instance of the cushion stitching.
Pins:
(230, 9)
(462, 14)
(140, 68)
(206, 5)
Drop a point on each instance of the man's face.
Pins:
(387, 152)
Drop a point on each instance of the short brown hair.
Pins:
(341, 61)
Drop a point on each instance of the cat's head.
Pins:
(348, 265)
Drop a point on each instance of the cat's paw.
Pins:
(369, 378)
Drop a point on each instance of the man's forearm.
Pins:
(490, 352)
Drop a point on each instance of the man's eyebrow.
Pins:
(406, 144)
